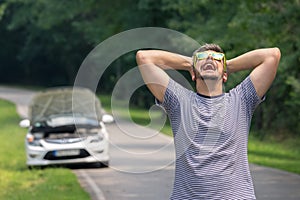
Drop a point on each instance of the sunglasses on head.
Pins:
(215, 55)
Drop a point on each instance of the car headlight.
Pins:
(97, 138)
(33, 140)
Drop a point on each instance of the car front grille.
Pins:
(51, 155)
(64, 140)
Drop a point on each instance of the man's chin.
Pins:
(209, 77)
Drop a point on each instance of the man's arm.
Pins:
(264, 63)
(152, 64)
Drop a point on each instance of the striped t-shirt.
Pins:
(211, 136)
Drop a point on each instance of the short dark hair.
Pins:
(207, 47)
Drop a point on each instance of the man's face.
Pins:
(209, 68)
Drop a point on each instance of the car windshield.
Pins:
(60, 105)
(56, 121)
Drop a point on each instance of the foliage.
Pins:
(240, 26)
(48, 40)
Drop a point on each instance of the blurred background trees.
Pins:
(43, 42)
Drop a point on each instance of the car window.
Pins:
(65, 101)
(70, 120)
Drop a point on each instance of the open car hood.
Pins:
(65, 101)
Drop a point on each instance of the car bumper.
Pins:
(43, 162)
(38, 156)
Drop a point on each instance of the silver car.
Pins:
(66, 126)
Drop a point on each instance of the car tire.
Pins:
(105, 164)
(35, 167)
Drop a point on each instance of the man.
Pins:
(210, 127)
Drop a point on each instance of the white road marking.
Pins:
(96, 190)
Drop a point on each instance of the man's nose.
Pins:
(209, 57)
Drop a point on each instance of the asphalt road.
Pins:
(139, 169)
(119, 181)
(142, 165)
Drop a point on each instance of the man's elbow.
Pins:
(141, 57)
(273, 58)
(276, 54)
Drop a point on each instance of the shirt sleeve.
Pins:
(172, 96)
(249, 95)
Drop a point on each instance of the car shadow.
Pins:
(72, 166)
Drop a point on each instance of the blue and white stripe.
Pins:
(211, 136)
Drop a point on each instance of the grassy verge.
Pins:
(272, 151)
(16, 181)
(137, 115)
(276, 152)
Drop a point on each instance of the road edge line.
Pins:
(96, 190)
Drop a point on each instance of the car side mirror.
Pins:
(107, 119)
(25, 123)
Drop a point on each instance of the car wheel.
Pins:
(101, 164)
(36, 167)
(105, 164)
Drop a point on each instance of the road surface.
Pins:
(142, 165)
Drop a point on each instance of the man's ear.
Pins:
(225, 76)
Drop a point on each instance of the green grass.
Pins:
(105, 102)
(273, 151)
(16, 181)
(137, 115)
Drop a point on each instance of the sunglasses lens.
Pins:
(202, 55)
(218, 56)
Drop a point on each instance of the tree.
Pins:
(49, 39)
(240, 26)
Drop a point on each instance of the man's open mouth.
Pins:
(208, 66)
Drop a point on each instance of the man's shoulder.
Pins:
(245, 91)
(242, 85)
(180, 87)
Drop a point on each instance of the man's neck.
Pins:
(209, 87)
